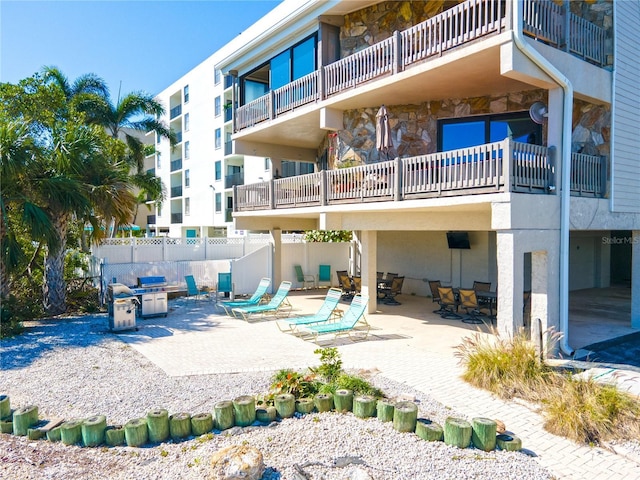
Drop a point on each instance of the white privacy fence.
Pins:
(248, 259)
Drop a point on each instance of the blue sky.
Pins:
(146, 45)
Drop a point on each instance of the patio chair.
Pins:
(357, 284)
(434, 285)
(392, 291)
(303, 279)
(258, 297)
(279, 303)
(324, 275)
(482, 287)
(192, 289)
(447, 303)
(345, 326)
(346, 284)
(327, 311)
(469, 301)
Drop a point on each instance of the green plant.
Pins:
(328, 236)
(330, 364)
(586, 411)
(295, 383)
(357, 385)
(504, 366)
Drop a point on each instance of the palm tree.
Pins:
(79, 172)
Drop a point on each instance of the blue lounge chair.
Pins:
(346, 325)
(255, 299)
(278, 304)
(327, 312)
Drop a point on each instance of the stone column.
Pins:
(276, 235)
(635, 279)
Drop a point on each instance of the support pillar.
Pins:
(510, 284)
(635, 279)
(276, 236)
(368, 261)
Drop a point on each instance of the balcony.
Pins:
(227, 114)
(176, 164)
(228, 148)
(505, 166)
(178, 137)
(176, 218)
(233, 179)
(176, 192)
(175, 111)
(464, 23)
(228, 215)
(151, 219)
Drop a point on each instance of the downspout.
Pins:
(567, 110)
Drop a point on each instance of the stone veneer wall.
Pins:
(414, 127)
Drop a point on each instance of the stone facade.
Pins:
(414, 127)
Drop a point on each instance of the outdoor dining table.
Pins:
(490, 297)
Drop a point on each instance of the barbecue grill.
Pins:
(121, 306)
(153, 296)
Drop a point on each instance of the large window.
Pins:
(454, 133)
(187, 179)
(218, 202)
(218, 106)
(186, 94)
(186, 122)
(218, 168)
(289, 65)
(218, 138)
(187, 150)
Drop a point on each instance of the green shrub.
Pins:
(357, 385)
(298, 384)
(330, 364)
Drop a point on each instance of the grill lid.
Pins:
(152, 281)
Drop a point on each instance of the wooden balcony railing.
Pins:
(490, 168)
(468, 21)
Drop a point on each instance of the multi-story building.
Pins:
(511, 121)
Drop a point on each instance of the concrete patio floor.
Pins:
(408, 343)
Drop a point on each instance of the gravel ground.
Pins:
(74, 368)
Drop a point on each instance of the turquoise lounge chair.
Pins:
(255, 299)
(327, 312)
(346, 325)
(279, 303)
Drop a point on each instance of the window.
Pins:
(292, 169)
(186, 178)
(218, 202)
(158, 161)
(159, 209)
(186, 149)
(218, 106)
(218, 138)
(186, 94)
(267, 163)
(218, 168)
(454, 133)
(187, 206)
(158, 137)
(216, 76)
(186, 122)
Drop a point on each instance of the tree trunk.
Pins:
(54, 286)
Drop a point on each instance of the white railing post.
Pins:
(508, 158)
(566, 27)
(164, 249)
(398, 183)
(397, 55)
(134, 250)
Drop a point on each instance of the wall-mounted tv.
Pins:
(458, 240)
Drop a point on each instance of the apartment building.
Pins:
(509, 124)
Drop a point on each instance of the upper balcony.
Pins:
(505, 166)
(391, 71)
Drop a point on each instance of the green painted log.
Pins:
(364, 406)
(35, 434)
(483, 433)
(93, 430)
(385, 409)
(224, 414)
(136, 432)
(266, 414)
(201, 423)
(71, 431)
(54, 434)
(405, 416)
(114, 435)
(180, 425)
(428, 430)
(304, 405)
(323, 402)
(5, 407)
(457, 432)
(158, 425)
(24, 418)
(6, 426)
(244, 409)
(285, 404)
(509, 442)
(343, 400)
